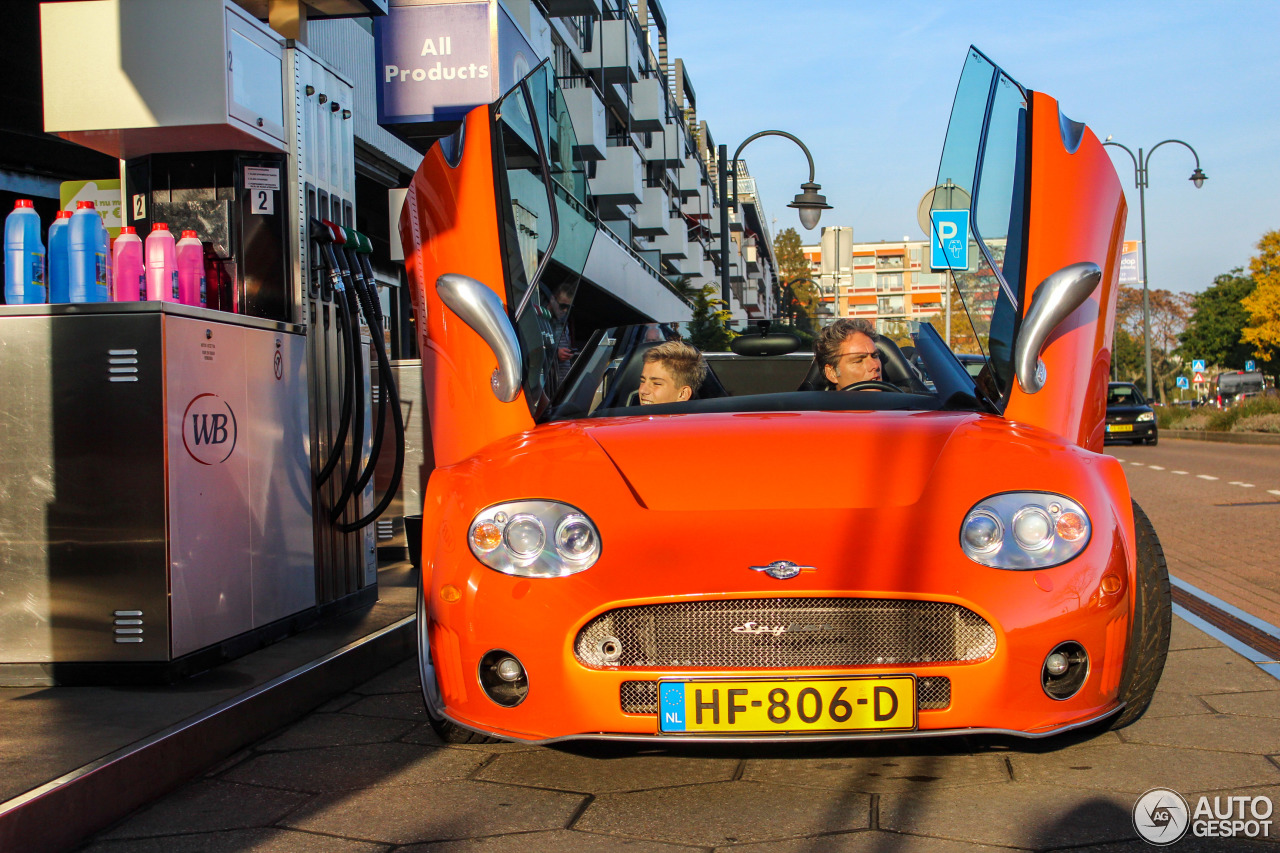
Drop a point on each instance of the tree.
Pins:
(1263, 305)
(1127, 358)
(799, 295)
(1169, 313)
(1213, 332)
(707, 330)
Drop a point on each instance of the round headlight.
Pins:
(1032, 528)
(525, 536)
(983, 531)
(575, 538)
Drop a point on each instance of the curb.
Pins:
(1223, 437)
(61, 814)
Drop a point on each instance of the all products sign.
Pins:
(434, 61)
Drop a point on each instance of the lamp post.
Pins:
(808, 201)
(1140, 181)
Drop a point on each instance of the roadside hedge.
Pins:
(1259, 414)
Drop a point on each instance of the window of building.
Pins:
(864, 260)
(890, 305)
(864, 280)
(889, 262)
(889, 281)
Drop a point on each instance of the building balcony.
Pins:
(587, 113)
(691, 179)
(653, 216)
(570, 8)
(752, 256)
(675, 243)
(664, 147)
(615, 52)
(619, 177)
(648, 103)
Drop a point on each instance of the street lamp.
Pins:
(1140, 164)
(808, 201)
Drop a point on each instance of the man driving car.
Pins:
(847, 351)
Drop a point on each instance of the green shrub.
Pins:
(1225, 420)
(1257, 423)
(1171, 417)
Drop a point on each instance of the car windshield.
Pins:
(1124, 395)
(761, 367)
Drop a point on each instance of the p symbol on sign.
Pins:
(947, 230)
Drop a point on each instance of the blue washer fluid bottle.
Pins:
(23, 256)
(59, 259)
(87, 280)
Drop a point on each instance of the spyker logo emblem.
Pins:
(782, 569)
(776, 630)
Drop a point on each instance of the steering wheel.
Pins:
(871, 385)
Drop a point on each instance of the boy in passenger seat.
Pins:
(672, 373)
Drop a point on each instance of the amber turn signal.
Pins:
(486, 536)
(1070, 526)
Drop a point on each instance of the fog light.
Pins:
(1065, 670)
(509, 669)
(503, 678)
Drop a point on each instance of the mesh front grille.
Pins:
(785, 632)
(638, 697)
(641, 697)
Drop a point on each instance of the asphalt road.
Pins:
(365, 772)
(1216, 508)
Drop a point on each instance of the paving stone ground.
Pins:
(365, 773)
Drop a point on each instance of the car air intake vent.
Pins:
(785, 633)
(641, 697)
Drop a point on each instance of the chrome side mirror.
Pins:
(1054, 300)
(482, 310)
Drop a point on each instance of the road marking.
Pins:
(1273, 491)
(1135, 463)
(1206, 477)
(1240, 484)
(1156, 467)
(1177, 472)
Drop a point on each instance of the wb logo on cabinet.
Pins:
(209, 429)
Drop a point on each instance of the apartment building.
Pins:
(887, 282)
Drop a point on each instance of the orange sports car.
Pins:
(777, 553)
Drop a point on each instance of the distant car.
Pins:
(973, 362)
(1129, 417)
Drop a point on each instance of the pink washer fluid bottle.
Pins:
(191, 282)
(162, 265)
(128, 266)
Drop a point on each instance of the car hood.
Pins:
(778, 460)
(1126, 411)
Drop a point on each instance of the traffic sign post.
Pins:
(1183, 383)
(1249, 366)
(1197, 366)
(949, 241)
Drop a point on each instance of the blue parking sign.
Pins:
(1197, 365)
(949, 243)
(1184, 382)
(1249, 366)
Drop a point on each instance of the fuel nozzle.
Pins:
(323, 232)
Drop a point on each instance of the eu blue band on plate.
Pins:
(671, 706)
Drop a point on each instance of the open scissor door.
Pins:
(1039, 197)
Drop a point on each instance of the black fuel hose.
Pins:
(352, 308)
(392, 398)
(349, 373)
(367, 303)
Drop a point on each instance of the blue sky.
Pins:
(868, 87)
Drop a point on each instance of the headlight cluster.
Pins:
(1024, 530)
(1146, 416)
(534, 539)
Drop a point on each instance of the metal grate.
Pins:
(933, 692)
(785, 632)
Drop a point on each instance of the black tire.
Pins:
(1152, 619)
(447, 730)
(1153, 441)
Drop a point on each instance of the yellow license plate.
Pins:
(1119, 427)
(779, 706)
